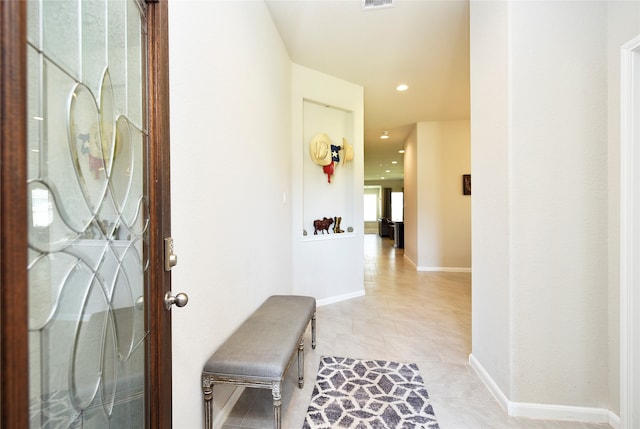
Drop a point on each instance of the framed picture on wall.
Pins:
(466, 184)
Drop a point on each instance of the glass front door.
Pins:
(89, 214)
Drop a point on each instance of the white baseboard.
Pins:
(559, 412)
(543, 411)
(221, 416)
(410, 261)
(441, 269)
(338, 298)
(489, 383)
(446, 269)
(614, 420)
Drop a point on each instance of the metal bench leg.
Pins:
(301, 362)
(313, 331)
(207, 392)
(277, 403)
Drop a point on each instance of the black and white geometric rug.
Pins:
(369, 394)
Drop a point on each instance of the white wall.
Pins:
(437, 226)
(317, 259)
(231, 163)
(411, 197)
(444, 213)
(545, 205)
(558, 203)
(490, 222)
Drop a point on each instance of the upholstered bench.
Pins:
(261, 350)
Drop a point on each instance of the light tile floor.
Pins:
(405, 315)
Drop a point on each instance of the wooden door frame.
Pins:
(159, 377)
(14, 363)
(14, 393)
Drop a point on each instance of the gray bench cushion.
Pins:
(256, 349)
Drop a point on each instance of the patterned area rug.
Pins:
(369, 394)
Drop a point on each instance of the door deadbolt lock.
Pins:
(170, 258)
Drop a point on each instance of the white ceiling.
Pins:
(423, 43)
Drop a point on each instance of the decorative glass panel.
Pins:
(94, 55)
(134, 67)
(33, 15)
(117, 12)
(34, 114)
(88, 214)
(61, 35)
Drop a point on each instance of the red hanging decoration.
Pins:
(328, 170)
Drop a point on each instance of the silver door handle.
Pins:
(180, 300)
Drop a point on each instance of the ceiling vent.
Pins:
(375, 4)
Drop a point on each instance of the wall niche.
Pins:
(325, 193)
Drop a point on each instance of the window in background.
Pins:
(397, 206)
(370, 207)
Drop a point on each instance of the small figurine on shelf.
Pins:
(322, 225)
(336, 226)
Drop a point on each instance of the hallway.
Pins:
(409, 316)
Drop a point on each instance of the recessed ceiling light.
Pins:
(402, 87)
(385, 135)
(387, 171)
(381, 177)
(401, 151)
(394, 162)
